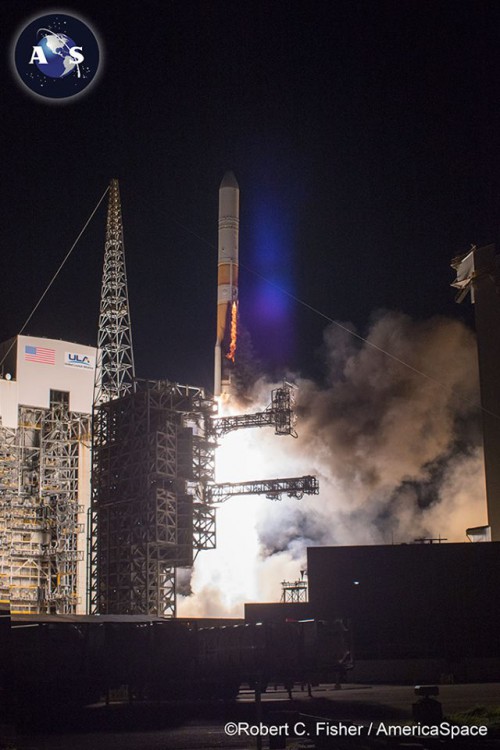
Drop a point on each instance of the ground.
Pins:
(200, 725)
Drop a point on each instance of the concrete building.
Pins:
(46, 394)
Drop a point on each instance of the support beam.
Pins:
(274, 489)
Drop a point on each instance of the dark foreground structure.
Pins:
(478, 273)
(416, 611)
(77, 660)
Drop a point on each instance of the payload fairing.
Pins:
(227, 280)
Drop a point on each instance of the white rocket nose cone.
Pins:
(229, 181)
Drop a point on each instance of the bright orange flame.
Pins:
(234, 332)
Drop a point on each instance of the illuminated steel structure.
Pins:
(274, 489)
(44, 474)
(153, 491)
(115, 370)
(150, 462)
(279, 414)
(115, 373)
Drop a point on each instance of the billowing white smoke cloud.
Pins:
(397, 455)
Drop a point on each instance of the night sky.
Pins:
(364, 136)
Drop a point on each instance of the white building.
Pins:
(46, 392)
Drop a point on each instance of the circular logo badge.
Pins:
(57, 56)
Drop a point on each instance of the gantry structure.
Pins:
(152, 461)
(279, 414)
(40, 511)
(154, 494)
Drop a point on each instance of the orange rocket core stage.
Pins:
(234, 332)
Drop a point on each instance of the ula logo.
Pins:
(79, 360)
(72, 359)
(57, 56)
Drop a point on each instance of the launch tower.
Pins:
(154, 497)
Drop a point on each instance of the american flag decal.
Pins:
(40, 354)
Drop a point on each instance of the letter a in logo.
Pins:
(38, 56)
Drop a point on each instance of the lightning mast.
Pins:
(115, 372)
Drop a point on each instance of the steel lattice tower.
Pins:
(115, 372)
(153, 462)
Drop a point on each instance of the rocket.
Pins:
(227, 281)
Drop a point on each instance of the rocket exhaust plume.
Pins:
(227, 281)
(398, 457)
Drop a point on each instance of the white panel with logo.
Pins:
(49, 364)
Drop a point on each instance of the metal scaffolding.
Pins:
(152, 462)
(39, 523)
(295, 591)
(155, 497)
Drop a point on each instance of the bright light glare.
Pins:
(236, 571)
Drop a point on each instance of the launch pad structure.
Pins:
(151, 502)
(44, 470)
(154, 494)
(152, 458)
(39, 508)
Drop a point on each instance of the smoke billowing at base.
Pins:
(398, 457)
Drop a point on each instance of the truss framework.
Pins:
(152, 462)
(154, 495)
(274, 489)
(115, 365)
(279, 414)
(294, 591)
(39, 518)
